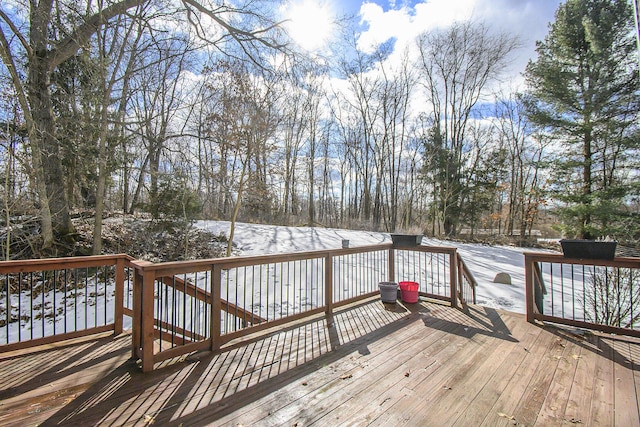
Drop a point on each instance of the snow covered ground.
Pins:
(483, 261)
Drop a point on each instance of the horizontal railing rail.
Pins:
(50, 300)
(600, 295)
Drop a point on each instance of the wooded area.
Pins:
(191, 109)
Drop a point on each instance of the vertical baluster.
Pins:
(185, 328)
(43, 287)
(617, 277)
(256, 292)
(86, 298)
(631, 300)
(54, 317)
(584, 294)
(573, 305)
(8, 305)
(20, 307)
(298, 301)
(31, 307)
(551, 285)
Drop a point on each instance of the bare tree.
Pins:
(456, 66)
(117, 50)
(394, 97)
(32, 44)
(526, 151)
(612, 296)
(359, 116)
(242, 124)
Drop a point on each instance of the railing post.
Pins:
(136, 326)
(528, 287)
(538, 289)
(392, 265)
(328, 288)
(453, 277)
(119, 296)
(143, 315)
(463, 297)
(216, 307)
(148, 319)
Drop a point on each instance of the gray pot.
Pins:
(388, 291)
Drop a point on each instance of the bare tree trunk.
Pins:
(136, 194)
(44, 144)
(102, 185)
(236, 208)
(7, 200)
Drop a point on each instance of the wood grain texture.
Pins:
(420, 364)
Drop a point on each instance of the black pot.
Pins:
(588, 249)
(406, 240)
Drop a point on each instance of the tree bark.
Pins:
(55, 217)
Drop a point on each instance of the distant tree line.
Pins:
(202, 110)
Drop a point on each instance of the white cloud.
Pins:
(381, 25)
(405, 23)
(442, 13)
(526, 19)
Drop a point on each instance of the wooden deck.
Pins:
(427, 365)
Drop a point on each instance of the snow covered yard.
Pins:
(484, 261)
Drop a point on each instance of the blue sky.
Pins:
(353, 6)
(382, 20)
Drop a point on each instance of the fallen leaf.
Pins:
(509, 417)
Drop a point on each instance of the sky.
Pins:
(402, 20)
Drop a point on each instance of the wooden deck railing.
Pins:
(176, 308)
(466, 283)
(594, 294)
(48, 300)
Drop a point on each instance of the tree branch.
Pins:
(69, 46)
(16, 32)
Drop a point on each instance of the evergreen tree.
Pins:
(584, 91)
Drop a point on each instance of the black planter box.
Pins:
(406, 240)
(588, 249)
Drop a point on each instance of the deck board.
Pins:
(380, 364)
(469, 385)
(583, 386)
(502, 412)
(603, 390)
(625, 387)
(500, 377)
(554, 407)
